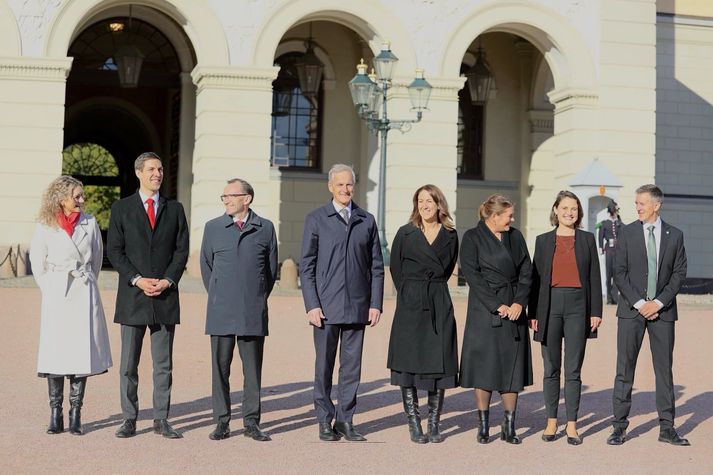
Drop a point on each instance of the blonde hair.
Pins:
(443, 215)
(60, 189)
(495, 204)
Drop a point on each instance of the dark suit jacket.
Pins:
(133, 248)
(585, 252)
(239, 271)
(631, 269)
(342, 270)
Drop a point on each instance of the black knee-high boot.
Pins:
(410, 398)
(435, 406)
(483, 436)
(56, 393)
(76, 398)
(508, 428)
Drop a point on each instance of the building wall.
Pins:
(684, 130)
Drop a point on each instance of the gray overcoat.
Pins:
(239, 269)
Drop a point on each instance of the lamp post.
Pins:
(370, 97)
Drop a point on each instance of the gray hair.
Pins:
(143, 158)
(653, 190)
(247, 187)
(341, 168)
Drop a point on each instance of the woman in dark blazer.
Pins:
(496, 343)
(423, 352)
(565, 303)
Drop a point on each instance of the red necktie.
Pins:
(240, 224)
(150, 211)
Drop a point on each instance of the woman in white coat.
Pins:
(66, 256)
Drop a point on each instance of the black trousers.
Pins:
(567, 321)
(612, 291)
(326, 340)
(630, 334)
(250, 348)
(132, 337)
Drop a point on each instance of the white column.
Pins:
(32, 93)
(186, 141)
(233, 114)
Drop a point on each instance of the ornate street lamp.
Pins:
(480, 79)
(370, 97)
(309, 70)
(128, 58)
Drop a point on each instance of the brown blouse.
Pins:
(564, 264)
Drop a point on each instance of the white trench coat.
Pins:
(73, 332)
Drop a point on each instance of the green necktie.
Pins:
(651, 254)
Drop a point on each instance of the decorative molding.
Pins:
(541, 121)
(444, 88)
(35, 69)
(244, 78)
(488, 184)
(568, 98)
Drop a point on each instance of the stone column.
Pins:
(233, 114)
(32, 93)
(425, 154)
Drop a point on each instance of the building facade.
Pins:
(597, 96)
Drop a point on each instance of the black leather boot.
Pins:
(56, 393)
(76, 397)
(508, 428)
(435, 406)
(410, 398)
(483, 436)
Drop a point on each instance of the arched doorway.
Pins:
(125, 118)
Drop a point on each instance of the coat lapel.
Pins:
(664, 242)
(580, 255)
(159, 212)
(419, 240)
(80, 231)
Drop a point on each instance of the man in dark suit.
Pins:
(342, 275)
(148, 244)
(649, 269)
(609, 230)
(239, 267)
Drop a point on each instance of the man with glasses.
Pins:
(239, 266)
(342, 273)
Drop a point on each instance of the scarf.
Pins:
(68, 223)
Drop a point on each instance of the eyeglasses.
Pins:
(232, 195)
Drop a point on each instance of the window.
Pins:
(96, 168)
(470, 134)
(296, 120)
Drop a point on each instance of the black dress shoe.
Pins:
(126, 429)
(670, 436)
(222, 431)
(347, 430)
(617, 437)
(327, 433)
(253, 431)
(161, 426)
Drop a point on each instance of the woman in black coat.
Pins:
(423, 351)
(496, 343)
(565, 304)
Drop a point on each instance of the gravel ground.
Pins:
(288, 414)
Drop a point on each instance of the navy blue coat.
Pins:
(342, 269)
(239, 269)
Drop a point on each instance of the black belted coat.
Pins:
(496, 352)
(423, 334)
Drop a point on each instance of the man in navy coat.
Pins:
(239, 267)
(342, 275)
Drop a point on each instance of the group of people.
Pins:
(557, 295)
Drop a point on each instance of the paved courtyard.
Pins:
(288, 414)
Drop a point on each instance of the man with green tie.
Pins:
(649, 269)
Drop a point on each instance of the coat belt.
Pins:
(426, 301)
(81, 272)
(497, 320)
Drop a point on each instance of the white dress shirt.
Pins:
(338, 208)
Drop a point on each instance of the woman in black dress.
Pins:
(496, 343)
(565, 304)
(423, 350)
